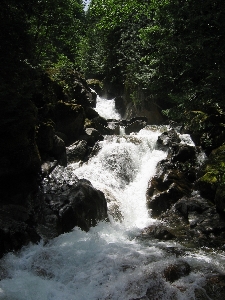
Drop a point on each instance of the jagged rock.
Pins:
(82, 94)
(182, 153)
(195, 222)
(70, 202)
(91, 137)
(165, 190)
(100, 124)
(192, 204)
(59, 150)
(167, 139)
(158, 231)
(48, 166)
(135, 126)
(86, 206)
(175, 175)
(77, 151)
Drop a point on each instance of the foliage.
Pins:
(56, 27)
(171, 50)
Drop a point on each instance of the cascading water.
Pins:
(110, 261)
(106, 108)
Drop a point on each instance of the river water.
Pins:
(110, 261)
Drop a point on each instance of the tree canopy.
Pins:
(171, 50)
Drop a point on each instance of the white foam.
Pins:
(106, 108)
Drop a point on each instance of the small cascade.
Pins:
(111, 261)
(106, 108)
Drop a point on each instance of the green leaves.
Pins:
(56, 27)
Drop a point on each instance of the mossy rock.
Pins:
(212, 173)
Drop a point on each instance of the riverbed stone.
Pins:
(167, 139)
(165, 190)
(176, 270)
(77, 151)
(135, 126)
(70, 202)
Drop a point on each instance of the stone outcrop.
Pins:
(69, 202)
(35, 135)
(186, 196)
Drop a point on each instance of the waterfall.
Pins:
(106, 108)
(110, 261)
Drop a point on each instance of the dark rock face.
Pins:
(192, 217)
(135, 125)
(19, 213)
(165, 189)
(167, 139)
(35, 135)
(69, 119)
(177, 270)
(19, 164)
(158, 231)
(81, 92)
(120, 105)
(100, 124)
(70, 202)
(77, 151)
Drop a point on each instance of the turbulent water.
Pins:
(111, 261)
(106, 108)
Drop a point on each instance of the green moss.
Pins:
(210, 177)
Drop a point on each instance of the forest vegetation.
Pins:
(170, 51)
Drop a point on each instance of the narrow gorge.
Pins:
(130, 254)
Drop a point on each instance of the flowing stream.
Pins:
(110, 261)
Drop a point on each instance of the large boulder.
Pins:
(167, 139)
(81, 92)
(165, 190)
(70, 202)
(135, 125)
(175, 175)
(77, 151)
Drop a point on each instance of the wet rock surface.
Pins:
(69, 202)
(135, 124)
(214, 288)
(186, 195)
(35, 135)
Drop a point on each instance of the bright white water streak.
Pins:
(106, 108)
(110, 261)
